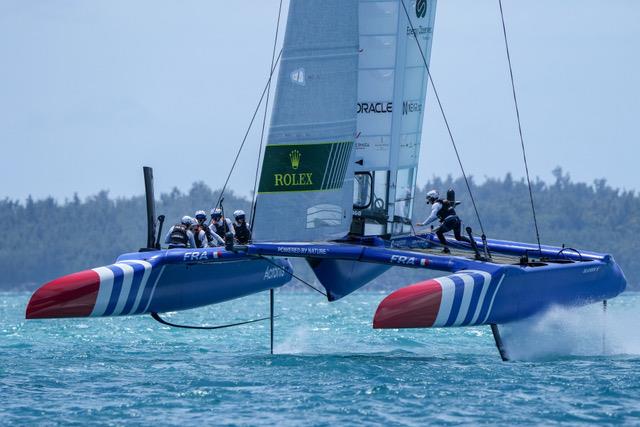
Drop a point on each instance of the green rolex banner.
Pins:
(304, 167)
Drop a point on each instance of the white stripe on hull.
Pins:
(469, 285)
(448, 291)
(127, 279)
(466, 298)
(485, 285)
(493, 298)
(143, 283)
(104, 290)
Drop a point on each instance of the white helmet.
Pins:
(239, 214)
(433, 195)
(200, 215)
(186, 220)
(216, 212)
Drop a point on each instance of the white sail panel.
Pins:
(392, 86)
(306, 182)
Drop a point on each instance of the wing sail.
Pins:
(306, 182)
(392, 87)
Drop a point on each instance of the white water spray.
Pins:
(294, 342)
(583, 331)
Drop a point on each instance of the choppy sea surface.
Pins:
(331, 368)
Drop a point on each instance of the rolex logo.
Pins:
(295, 156)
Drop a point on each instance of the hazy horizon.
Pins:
(93, 91)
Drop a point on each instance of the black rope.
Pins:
(264, 91)
(157, 318)
(292, 274)
(515, 101)
(446, 122)
(264, 121)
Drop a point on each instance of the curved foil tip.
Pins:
(415, 306)
(73, 295)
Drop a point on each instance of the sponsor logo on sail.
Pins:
(298, 76)
(411, 107)
(295, 156)
(421, 8)
(374, 107)
(420, 30)
(295, 179)
(304, 167)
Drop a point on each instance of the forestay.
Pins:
(306, 182)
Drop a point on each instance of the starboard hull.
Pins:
(498, 294)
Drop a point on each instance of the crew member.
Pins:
(444, 211)
(221, 225)
(212, 238)
(242, 227)
(179, 236)
(199, 235)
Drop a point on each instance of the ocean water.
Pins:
(331, 368)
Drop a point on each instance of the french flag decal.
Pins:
(461, 299)
(115, 290)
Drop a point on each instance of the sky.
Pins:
(90, 91)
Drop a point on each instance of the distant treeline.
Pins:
(45, 239)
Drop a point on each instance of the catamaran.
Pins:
(341, 160)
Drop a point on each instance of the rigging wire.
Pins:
(264, 91)
(264, 121)
(446, 121)
(515, 101)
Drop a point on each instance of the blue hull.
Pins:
(158, 281)
(475, 292)
(526, 291)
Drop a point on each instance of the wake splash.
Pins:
(581, 331)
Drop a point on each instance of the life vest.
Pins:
(199, 243)
(446, 210)
(243, 234)
(221, 229)
(208, 233)
(179, 235)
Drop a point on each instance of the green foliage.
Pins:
(45, 239)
